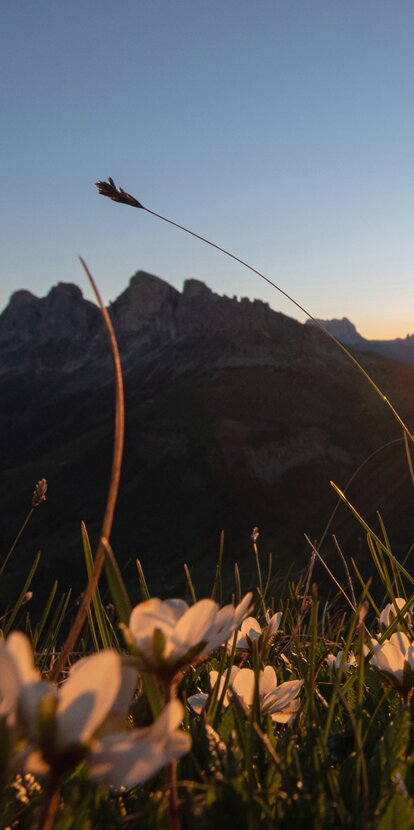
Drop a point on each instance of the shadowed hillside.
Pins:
(236, 416)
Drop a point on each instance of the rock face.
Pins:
(52, 333)
(236, 416)
(345, 331)
(148, 302)
(64, 332)
(63, 314)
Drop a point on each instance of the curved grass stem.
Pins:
(110, 190)
(113, 487)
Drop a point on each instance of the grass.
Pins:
(346, 760)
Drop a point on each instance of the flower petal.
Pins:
(273, 625)
(224, 626)
(250, 628)
(213, 680)
(170, 719)
(267, 680)
(410, 656)
(177, 606)
(124, 760)
(288, 713)
(243, 608)
(19, 647)
(193, 627)
(198, 702)
(400, 640)
(86, 698)
(148, 616)
(282, 697)
(9, 681)
(388, 658)
(389, 613)
(243, 686)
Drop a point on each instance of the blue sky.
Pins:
(282, 130)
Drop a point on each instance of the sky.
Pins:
(283, 130)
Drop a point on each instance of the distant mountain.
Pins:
(345, 331)
(236, 416)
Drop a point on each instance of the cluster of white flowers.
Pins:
(51, 729)
(281, 702)
(392, 656)
(167, 635)
(251, 631)
(54, 728)
(335, 661)
(83, 719)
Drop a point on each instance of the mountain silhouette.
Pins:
(236, 416)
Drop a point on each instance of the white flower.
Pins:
(91, 695)
(389, 613)
(66, 725)
(251, 630)
(198, 701)
(395, 659)
(280, 702)
(21, 685)
(334, 662)
(169, 634)
(62, 721)
(126, 759)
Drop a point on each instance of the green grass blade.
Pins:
(97, 603)
(20, 600)
(145, 594)
(42, 622)
(116, 586)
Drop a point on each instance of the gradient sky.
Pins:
(283, 130)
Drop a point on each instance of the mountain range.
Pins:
(236, 416)
(401, 348)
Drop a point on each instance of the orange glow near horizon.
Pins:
(385, 330)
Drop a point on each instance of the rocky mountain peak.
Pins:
(343, 330)
(20, 317)
(21, 298)
(197, 289)
(63, 314)
(147, 297)
(65, 292)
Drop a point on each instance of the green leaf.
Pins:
(389, 759)
(398, 813)
(23, 592)
(116, 585)
(96, 598)
(152, 692)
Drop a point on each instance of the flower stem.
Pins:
(169, 690)
(50, 803)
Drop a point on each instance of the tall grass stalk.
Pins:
(110, 190)
(402, 570)
(113, 485)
